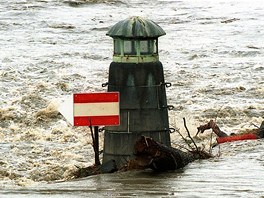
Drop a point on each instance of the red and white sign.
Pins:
(96, 109)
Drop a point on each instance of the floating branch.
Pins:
(189, 135)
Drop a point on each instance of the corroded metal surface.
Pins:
(136, 27)
(143, 109)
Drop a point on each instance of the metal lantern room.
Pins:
(135, 40)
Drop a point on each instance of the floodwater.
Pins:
(213, 54)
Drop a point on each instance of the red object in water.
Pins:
(249, 136)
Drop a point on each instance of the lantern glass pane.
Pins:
(147, 47)
(117, 46)
(155, 47)
(129, 48)
(144, 47)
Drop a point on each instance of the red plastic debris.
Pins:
(249, 136)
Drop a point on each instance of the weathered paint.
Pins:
(143, 108)
(135, 59)
(138, 34)
(137, 74)
(136, 27)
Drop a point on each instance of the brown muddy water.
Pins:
(213, 54)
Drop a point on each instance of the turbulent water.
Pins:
(212, 53)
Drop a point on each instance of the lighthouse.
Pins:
(137, 74)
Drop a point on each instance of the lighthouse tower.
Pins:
(137, 74)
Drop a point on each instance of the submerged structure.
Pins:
(137, 74)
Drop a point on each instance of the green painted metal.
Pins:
(135, 59)
(143, 109)
(137, 55)
(136, 27)
(142, 34)
(137, 74)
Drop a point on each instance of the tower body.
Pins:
(137, 74)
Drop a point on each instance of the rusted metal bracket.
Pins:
(172, 130)
(104, 84)
(169, 107)
(168, 84)
(101, 129)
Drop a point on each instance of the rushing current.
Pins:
(212, 53)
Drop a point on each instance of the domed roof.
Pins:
(136, 27)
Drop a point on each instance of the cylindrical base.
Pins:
(143, 109)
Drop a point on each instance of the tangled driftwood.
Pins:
(154, 155)
(148, 154)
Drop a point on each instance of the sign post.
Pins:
(95, 137)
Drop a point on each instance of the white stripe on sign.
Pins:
(96, 109)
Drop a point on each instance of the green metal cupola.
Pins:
(135, 40)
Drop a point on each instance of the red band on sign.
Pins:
(96, 120)
(96, 97)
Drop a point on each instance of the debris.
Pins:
(149, 154)
(230, 20)
(249, 136)
(253, 47)
(184, 121)
(211, 125)
(108, 167)
(154, 155)
(223, 137)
